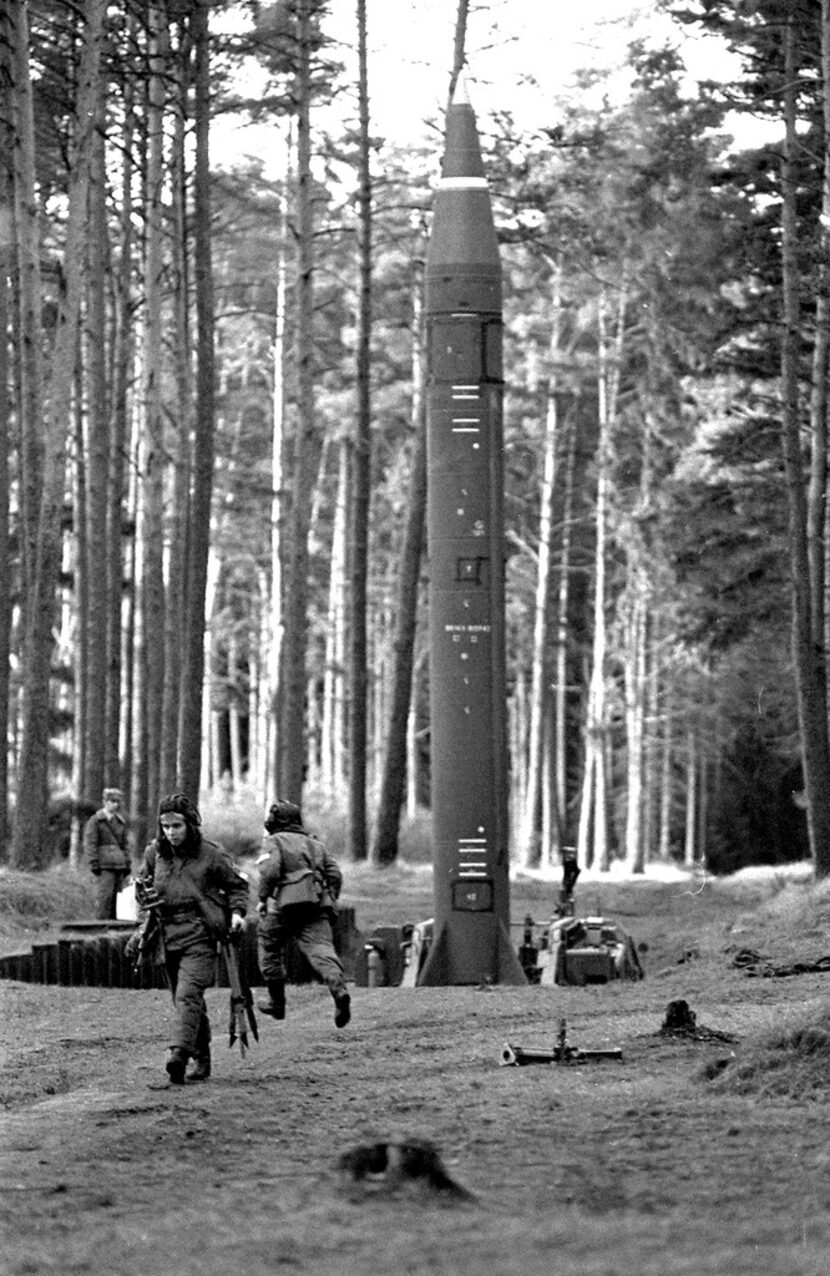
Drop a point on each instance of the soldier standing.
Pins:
(299, 884)
(107, 851)
(200, 898)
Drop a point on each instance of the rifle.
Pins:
(146, 947)
(242, 1003)
(562, 1052)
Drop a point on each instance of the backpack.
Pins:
(304, 884)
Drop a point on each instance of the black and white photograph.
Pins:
(414, 630)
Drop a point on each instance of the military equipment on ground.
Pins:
(588, 950)
(563, 1052)
(578, 950)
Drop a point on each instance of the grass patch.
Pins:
(792, 923)
(57, 892)
(790, 1062)
(799, 908)
(40, 902)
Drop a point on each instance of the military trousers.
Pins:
(109, 884)
(191, 969)
(311, 931)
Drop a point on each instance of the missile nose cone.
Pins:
(463, 273)
(460, 95)
(462, 151)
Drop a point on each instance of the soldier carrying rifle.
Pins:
(198, 898)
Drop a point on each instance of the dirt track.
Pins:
(609, 1168)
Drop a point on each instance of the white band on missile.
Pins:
(463, 184)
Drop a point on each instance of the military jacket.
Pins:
(199, 888)
(105, 843)
(288, 858)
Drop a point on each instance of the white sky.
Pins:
(508, 43)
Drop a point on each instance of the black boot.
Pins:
(275, 1006)
(176, 1065)
(201, 1067)
(342, 1008)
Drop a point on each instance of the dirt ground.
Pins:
(602, 1169)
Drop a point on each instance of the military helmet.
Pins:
(181, 804)
(283, 815)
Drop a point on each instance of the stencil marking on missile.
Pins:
(471, 942)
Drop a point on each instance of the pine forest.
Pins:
(213, 474)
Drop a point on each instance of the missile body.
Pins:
(465, 524)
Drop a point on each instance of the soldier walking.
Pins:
(200, 898)
(299, 884)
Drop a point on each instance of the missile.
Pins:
(465, 531)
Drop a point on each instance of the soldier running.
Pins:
(299, 884)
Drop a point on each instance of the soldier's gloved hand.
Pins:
(237, 923)
(262, 908)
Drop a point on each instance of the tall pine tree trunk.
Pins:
(559, 831)
(29, 843)
(291, 742)
(529, 841)
(151, 512)
(94, 615)
(808, 609)
(198, 540)
(651, 779)
(635, 690)
(818, 546)
(821, 359)
(6, 569)
(690, 845)
(592, 844)
(275, 616)
(332, 725)
(594, 816)
(394, 772)
(119, 702)
(73, 631)
(28, 290)
(130, 644)
(361, 472)
(175, 614)
(666, 785)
